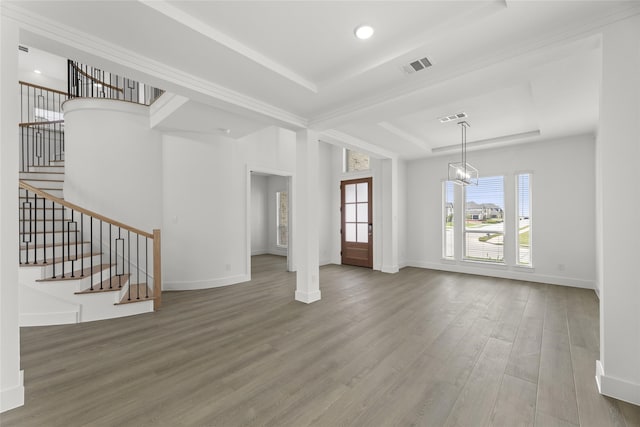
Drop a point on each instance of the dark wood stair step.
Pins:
(116, 283)
(79, 274)
(135, 287)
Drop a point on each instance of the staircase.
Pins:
(75, 265)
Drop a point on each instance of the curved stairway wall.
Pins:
(113, 160)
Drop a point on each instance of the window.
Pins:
(282, 219)
(355, 161)
(523, 209)
(484, 220)
(447, 223)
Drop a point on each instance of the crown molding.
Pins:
(92, 45)
(336, 137)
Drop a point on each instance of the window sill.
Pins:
(485, 264)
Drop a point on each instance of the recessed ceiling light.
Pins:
(363, 32)
(37, 71)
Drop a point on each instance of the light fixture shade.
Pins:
(463, 174)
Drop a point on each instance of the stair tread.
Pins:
(56, 173)
(49, 231)
(134, 295)
(58, 260)
(115, 285)
(41, 179)
(79, 274)
(50, 245)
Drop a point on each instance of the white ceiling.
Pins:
(513, 66)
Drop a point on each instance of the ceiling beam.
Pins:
(208, 31)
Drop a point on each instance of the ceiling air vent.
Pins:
(23, 48)
(417, 65)
(457, 116)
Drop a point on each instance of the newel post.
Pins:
(157, 271)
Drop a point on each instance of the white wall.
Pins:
(563, 205)
(204, 205)
(11, 377)
(402, 213)
(113, 161)
(328, 208)
(618, 151)
(259, 214)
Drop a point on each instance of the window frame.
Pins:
(516, 237)
(505, 232)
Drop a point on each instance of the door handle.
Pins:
(370, 229)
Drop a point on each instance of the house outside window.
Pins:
(484, 220)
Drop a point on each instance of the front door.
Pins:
(357, 222)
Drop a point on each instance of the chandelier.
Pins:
(462, 173)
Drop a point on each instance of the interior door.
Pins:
(357, 222)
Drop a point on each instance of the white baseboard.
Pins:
(45, 319)
(616, 387)
(205, 284)
(505, 273)
(13, 397)
(390, 269)
(259, 252)
(307, 297)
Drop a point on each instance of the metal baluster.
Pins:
(101, 253)
(129, 258)
(91, 248)
(146, 265)
(138, 260)
(35, 228)
(110, 275)
(44, 228)
(62, 246)
(81, 245)
(73, 273)
(53, 237)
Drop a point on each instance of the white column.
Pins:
(390, 215)
(618, 202)
(11, 383)
(305, 217)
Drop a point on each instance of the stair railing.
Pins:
(41, 126)
(84, 81)
(54, 233)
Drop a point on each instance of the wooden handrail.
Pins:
(70, 205)
(43, 88)
(95, 79)
(49, 122)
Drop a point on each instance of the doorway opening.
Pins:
(357, 222)
(269, 218)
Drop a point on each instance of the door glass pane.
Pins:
(350, 236)
(350, 213)
(350, 193)
(363, 192)
(363, 234)
(363, 212)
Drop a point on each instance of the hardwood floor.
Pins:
(419, 347)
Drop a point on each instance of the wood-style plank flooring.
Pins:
(419, 347)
